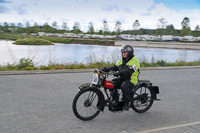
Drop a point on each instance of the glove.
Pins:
(105, 69)
(117, 74)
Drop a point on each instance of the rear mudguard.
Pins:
(154, 89)
(87, 87)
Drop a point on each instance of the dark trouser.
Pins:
(126, 87)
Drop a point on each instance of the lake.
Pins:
(77, 53)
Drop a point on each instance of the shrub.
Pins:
(59, 67)
(161, 63)
(25, 63)
(29, 68)
(10, 67)
(44, 68)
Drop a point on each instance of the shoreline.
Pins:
(161, 45)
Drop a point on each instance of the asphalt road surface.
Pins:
(42, 103)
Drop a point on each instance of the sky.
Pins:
(147, 12)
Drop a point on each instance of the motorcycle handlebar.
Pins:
(108, 73)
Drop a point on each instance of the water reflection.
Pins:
(76, 53)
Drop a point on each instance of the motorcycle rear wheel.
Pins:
(86, 104)
(144, 99)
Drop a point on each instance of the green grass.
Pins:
(11, 36)
(32, 41)
(163, 63)
(15, 36)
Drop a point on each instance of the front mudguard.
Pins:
(88, 87)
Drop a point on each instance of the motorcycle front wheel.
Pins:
(86, 104)
(143, 102)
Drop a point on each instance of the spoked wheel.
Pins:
(143, 102)
(86, 104)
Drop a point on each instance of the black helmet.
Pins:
(127, 48)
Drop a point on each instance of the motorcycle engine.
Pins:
(117, 105)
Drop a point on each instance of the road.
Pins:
(42, 103)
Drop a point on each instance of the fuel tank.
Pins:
(108, 84)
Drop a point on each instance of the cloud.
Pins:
(115, 8)
(110, 8)
(127, 10)
(21, 9)
(3, 9)
(82, 0)
(149, 10)
(4, 1)
(35, 3)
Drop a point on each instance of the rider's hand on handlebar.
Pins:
(117, 74)
(105, 69)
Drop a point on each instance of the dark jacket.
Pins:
(128, 69)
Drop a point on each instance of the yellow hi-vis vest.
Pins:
(136, 65)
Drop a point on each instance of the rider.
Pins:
(128, 72)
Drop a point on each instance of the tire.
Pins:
(87, 104)
(144, 99)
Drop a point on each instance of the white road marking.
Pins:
(166, 128)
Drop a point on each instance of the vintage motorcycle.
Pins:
(90, 100)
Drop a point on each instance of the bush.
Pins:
(161, 63)
(25, 63)
(59, 67)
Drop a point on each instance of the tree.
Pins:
(185, 31)
(162, 23)
(186, 22)
(76, 28)
(105, 27)
(1, 28)
(20, 28)
(185, 27)
(65, 26)
(91, 28)
(170, 30)
(118, 28)
(197, 31)
(28, 30)
(5, 27)
(54, 25)
(100, 32)
(36, 28)
(12, 27)
(27, 24)
(160, 31)
(136, 25)
(19, 25)
(46, 27)
(197, 28)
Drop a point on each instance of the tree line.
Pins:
(163, 28)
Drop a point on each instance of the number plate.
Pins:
(95, 78)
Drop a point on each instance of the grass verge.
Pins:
(27, 64)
